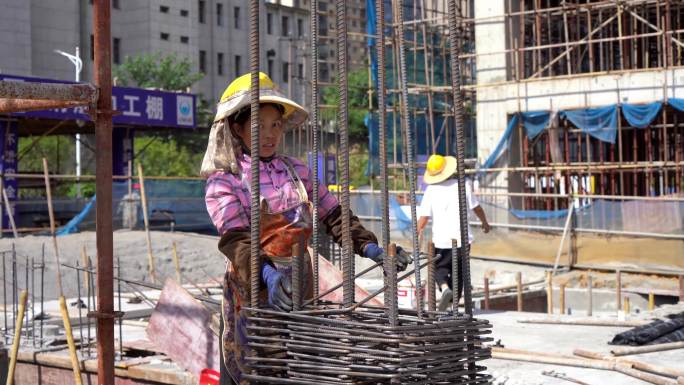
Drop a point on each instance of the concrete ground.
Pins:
(562, 339)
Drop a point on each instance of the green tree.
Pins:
(357, 108)
(357, 104)
(167, 157)
(168, 72)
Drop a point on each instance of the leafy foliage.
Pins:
(167, 157)
(168, 72)
(357, 104)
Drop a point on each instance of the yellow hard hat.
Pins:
(236, 97)
(439, 168)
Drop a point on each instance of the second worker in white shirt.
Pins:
(440, 202)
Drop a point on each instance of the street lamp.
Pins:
(78, 64)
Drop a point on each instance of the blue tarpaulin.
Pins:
(677, 104)
(535, 122)
(503, 143)
(641, 115)
(601, 123)
(539, 214)
(72, 226)
(371, 30)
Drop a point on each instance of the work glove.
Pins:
(279, 288)
(376, 253)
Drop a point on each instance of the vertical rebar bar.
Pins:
(255, 219)
(14, 283)
(88, 293)
(33, 302)
(561, 298)
(343, 129)
(78, 302)
(454, 41)
(382, 126)
(410, 151)
(590, 294)
(26, 286)
(297, 276)
(42, 290)
(519, 290)
(4, 296)
(431, 297)
(618, 290)
(456, 272)
(549, 292)
(315, 132)
(391, 300)
(120, 317)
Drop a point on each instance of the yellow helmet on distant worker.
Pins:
(236, 97)
(439, 168)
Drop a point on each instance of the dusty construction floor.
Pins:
(200, 258)
(562, 339)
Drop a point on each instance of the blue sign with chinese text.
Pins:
(136, 106)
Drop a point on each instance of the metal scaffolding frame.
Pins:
(19, 97)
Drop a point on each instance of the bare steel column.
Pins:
(103, 191)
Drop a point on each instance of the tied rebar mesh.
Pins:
(459, 111)
(343, 129)
(313, 123)
(255, 220)
(358, 347)
(410, 148)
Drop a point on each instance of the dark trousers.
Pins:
(224, 379)
(443, 268)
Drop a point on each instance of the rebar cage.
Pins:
(351, 342)
(330, 345)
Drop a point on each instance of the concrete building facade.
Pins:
(547, 58)
(213, 34)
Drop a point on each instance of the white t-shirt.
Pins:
(440, 202)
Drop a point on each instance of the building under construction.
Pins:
(565, 115)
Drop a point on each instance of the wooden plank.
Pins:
(140, 361)
(180, 326)
(144, 345)
(32, 374)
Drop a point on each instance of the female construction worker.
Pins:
(286, 192)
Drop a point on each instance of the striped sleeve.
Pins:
(327, 201)
(224, 205)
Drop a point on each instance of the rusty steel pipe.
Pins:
(103, 167)
(85, 93)
(25, 105)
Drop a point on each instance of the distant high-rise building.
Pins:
(213, 34)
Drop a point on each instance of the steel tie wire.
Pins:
(454, 41)
(313, 123)
(406, 119)
(255, 220)
(342, 116)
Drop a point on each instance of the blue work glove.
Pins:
(279, 288)
(377, 254)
